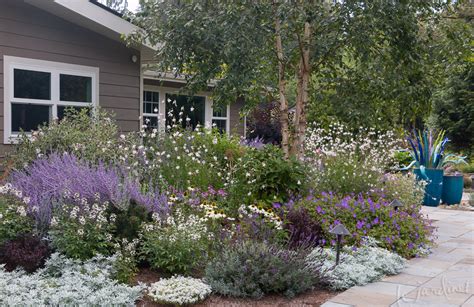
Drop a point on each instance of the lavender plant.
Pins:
(253, 269)
(65, 177)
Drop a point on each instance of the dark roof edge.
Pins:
(105, 7)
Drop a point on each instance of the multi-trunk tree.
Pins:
(254, 49)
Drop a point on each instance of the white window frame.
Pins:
(208, 111)
(55, 69)
(157, 114)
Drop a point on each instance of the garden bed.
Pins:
(314, 297)
(202, 217)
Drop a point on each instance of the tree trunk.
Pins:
(302, 93)
(282, 87)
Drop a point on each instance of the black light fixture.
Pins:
(339, 230)
(395, 204)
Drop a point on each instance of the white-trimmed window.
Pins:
(151, 109)
(197, 109)
(220, 118)
(37, 91)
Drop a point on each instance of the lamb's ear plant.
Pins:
(428, 150)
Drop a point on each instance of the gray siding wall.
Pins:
(26, 31)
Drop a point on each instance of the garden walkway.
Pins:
(444, 278)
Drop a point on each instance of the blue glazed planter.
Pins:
(452, 189)
(434, 188)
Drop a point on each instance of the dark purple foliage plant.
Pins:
(26, 251)
(302, 229)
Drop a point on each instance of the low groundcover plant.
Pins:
(67, 282)
(358, 266)
(179, 290)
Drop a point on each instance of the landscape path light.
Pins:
(395, 204)
(339, 230)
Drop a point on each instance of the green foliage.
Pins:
(128, 222)
(252, 269)
(125, 265)
(81, 232)
(402, 158)
(234, 42)
(13, 218)
(403, 187)
(93, 138)
(177, 245)
(264, 175)
(453, 109)
(465, 168)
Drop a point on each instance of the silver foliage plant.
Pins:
(358, 266)
(67, 282)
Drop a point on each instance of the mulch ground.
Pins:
(315, 297)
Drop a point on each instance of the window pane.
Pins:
(156, 96)
(192, 108)
(219, 111)
(220, 124)
(151, 122)
(66, 110)
(31, 84)
(75, 88)
(29, 116)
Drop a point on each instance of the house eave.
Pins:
(91, 16)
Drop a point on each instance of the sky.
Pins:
(133, 5)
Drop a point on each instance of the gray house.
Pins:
(56, 54)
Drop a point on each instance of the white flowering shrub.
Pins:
(81, 231)
(67, 282)
(346, 162)
(93, 138)
(14, 217)
(181, 158)
(357, 266)
(177, 244)
(179, 290)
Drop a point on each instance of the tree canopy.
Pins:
(357, 60)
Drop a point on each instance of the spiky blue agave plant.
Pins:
(428, 150)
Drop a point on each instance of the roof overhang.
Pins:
(166, 76)
(92, 17)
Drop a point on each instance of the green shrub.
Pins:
(14, 219)
(126, 263)
(81, 231)
(252, 269)
(265, 176)
(403, 187)
(177, 245)
(128, 221)
(93, 138)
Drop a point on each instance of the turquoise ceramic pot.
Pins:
(434, 188)
(452, 189)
